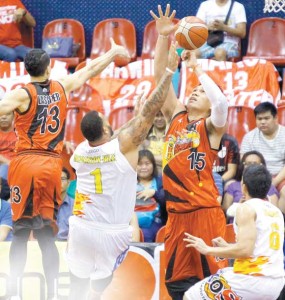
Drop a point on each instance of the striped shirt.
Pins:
(273, 150)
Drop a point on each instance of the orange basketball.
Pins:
(191, 33)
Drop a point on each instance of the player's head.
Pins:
(199, 101)
(93, 126)
(37, 62)
(256, 180)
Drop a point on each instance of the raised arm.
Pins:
(164, 26)
(95, 67)
(135, 133)
(219, 104)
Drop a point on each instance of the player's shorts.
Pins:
(182, 262)
(232, 50)
(35, 185)
(95, 250)
(228, 285)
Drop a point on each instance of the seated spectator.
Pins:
(269, 139)
(65, 210)
(213, 13)
(233, 192)
(5, 212)
(13, 12)
(228, 158)
(155, 139)
(150, 203)
(7, 142)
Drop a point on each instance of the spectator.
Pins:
(213, 13)
(155, 139)
(5, 212)
(258, 252)
(269, 139)
(233, 193)
(219, 184)
(150, 202)
(13, 12)
(7, 142)
(65, 210)
(227, 159)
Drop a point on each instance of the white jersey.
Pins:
(267, 258)
(106, 183)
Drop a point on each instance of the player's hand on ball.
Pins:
(164, 22)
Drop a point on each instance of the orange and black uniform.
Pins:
(35, 173)
(191, 196)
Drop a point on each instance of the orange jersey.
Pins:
(188, 162)
(42, 126)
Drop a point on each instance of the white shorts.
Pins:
(95, 250)
(228, 285)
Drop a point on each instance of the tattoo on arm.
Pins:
(138, 127)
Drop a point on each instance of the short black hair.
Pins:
(36, 62)
(67, 173)
(92, 126)
(257, 180)
(264, 107)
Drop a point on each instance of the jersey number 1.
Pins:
(97, 181)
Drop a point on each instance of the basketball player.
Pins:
(35, 173)
(258, 271)
(99, 233)
(191, 145)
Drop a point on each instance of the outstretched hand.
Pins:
(164, 22)
(190, 57)
(197, 243)
(119, 50)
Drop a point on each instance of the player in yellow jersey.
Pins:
(258, 271)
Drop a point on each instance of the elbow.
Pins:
(245, 252)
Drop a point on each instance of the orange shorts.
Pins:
(183, 263)
(35, 184)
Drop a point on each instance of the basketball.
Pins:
(191, 33)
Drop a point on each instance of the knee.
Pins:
(220, 54)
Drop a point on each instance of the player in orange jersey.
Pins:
(35, 173)
(191, 145)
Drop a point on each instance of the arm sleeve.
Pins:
(218, 100)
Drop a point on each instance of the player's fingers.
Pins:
(167, 10)
(160, 12)
(153, 15)
(172, 15)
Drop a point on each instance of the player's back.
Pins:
(267, 258)
(42, 126)
(106, 183)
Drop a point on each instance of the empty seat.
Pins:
(160, 235)
(266, 40)
(88, 97)
(121, 115)
(68, 28)
(72, 126)
(122, 31)
(241, 119)
(149, 39)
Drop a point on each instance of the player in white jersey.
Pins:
(257, 273)
(99, 232)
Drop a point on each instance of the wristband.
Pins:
(170, 71)
(165, 37)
